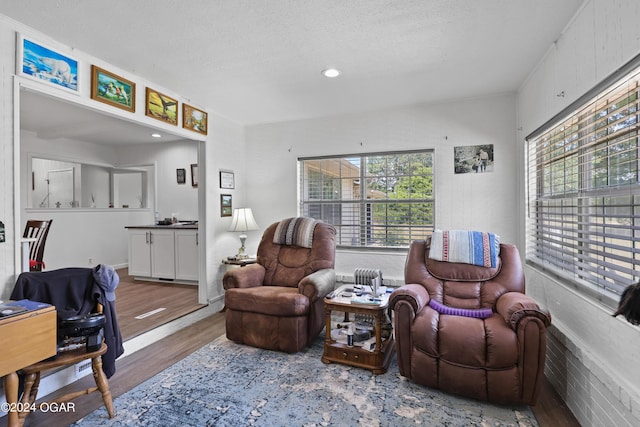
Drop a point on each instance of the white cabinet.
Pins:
(163, 253)
(163, 258)
(186, 244)
(139, 252)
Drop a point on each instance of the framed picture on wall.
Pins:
(41, 63)
(194, 175)
(181, 176)
(473, 159)
(113, 90)
(227, 179)
(194, 119)
(226, 208)
(161, 107)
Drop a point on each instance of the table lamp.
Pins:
(242, 221)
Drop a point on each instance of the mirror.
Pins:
(67, 185)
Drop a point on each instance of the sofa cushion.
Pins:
(271, 300)
(465, 341)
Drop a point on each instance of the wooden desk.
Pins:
(24, 339)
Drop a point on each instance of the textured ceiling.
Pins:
(260, 61)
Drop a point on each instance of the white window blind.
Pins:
(584, 193)
(373, 200)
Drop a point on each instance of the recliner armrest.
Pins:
(249, 276)
(515, 306)
(318, 284)
(416, 295)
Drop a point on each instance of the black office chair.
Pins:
(37, 229)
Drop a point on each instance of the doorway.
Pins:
(78, 133)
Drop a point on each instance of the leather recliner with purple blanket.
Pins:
(469, 329)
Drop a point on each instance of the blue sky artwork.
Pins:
(45, 64)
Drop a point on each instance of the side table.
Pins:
(25, 339)
(377, 359)
(239, 262)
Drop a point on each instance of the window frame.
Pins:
(583, 189)
(360, 207)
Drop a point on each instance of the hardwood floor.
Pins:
(132, 370)
(145, 305)
(136, 298)
(551, 411)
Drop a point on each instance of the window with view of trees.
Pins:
(373, 200)
(584, 190)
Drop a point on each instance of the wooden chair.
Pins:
(80, 300)
(63, 359)
(37, 229)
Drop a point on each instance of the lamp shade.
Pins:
(243, 220)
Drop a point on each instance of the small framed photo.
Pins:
(181, 176)
(194, 175)
(113, 90)
(161, 107)
(46, 65)
(226, 208)
(227, 179)
(473, 159)
(194, 119)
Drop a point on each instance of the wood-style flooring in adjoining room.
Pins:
(145, 305)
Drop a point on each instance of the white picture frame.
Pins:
(37, 61)
(227, 179)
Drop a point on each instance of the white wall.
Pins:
(81, 237)
(181, 199)
(226, 150)
(593, 357)
(7, 181)
(486, 201)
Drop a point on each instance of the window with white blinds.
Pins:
(584, 192)
(374, 200)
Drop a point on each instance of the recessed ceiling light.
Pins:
(156, 135)
(331, 73)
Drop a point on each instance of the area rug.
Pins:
(226, 384)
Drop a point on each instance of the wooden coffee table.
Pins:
(377, 359)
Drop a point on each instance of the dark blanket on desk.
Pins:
(74, 292)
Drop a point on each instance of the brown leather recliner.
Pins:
(499, 358)
(277, 304)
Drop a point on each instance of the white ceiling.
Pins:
(260, 61)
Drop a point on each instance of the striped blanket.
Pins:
(295, 232)
(469, 247)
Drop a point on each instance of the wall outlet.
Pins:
(90, 261)
(83, 368)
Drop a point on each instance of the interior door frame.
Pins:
(21, 83)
